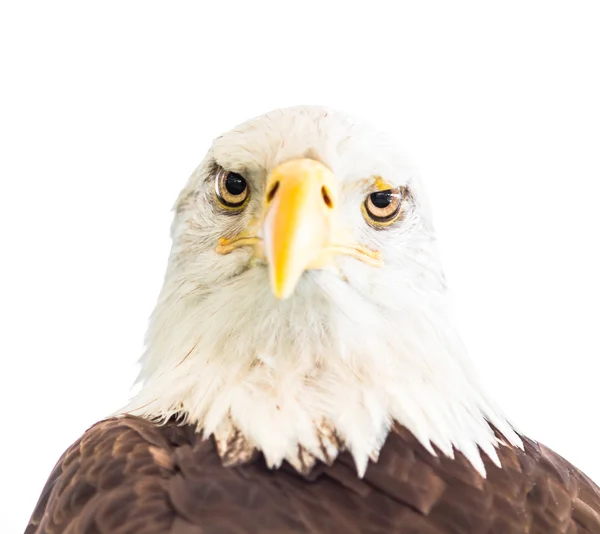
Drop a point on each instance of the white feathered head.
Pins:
(303, 309)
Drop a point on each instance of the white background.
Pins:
(107, 107)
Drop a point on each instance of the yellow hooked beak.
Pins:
(299, 222)
(301, 228)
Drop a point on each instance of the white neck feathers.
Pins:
(305, 378)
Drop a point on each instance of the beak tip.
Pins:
(284, 277)
(280, 290)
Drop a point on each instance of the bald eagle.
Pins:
(302, 373)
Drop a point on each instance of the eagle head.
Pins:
(304, 307)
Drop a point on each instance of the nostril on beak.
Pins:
(272, 191)
(326, 197)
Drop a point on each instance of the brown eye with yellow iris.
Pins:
(383, 207)
(231, 189)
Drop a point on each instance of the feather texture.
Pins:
(355, 348)
(127, 475)
(349, 407)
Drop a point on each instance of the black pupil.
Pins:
(235, 184)
(382, 199)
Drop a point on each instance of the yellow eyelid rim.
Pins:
(381, 185)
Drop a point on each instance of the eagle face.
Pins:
(303, 310)
(314, 204)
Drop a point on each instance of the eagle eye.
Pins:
(231, 189)
(383, 207)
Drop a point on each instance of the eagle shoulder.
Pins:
(535, 490)
(113, 479)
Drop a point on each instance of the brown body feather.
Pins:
(128, 475)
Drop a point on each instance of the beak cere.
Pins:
(298, 222)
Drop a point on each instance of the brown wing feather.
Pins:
(127, 475)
